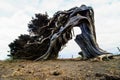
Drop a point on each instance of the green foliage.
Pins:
(18, 45)
(19, 49)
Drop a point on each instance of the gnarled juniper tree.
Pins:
(49, 35)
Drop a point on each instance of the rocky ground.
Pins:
(61, 69)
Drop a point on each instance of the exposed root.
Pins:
(104, 57)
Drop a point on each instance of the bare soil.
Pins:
(61, 69)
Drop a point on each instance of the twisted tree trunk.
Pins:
(50, 35)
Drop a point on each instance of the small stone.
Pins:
(87, 75)
(55, 73)
(58, 66)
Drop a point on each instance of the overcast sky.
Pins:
(16, 14)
